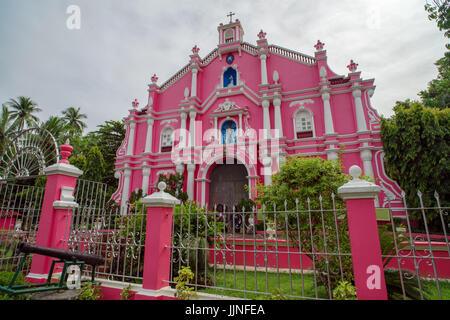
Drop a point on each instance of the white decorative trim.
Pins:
(63, 169)
(385, 182)
(301, 103)
(359, 110)
(165, 172)
(37, 276)
(358, 188)
(63, 205)
(160, 198)
(166, 291)
(67, 194)
(66, 199)
(119, 284)
(168, 121)
(227, 106)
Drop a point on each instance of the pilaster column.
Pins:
(241, 129)
(180, 168)
(332, 155)
(130, 145)
(203, 202)
(145, 179)
(266, 118)
(278, 123)
(329, 128)
(125, 191)
(192, 116)
(194, 81)
(263, 58)
(366, 157)
(216, 130)
(267, 170)
(360, 118)
(148, 139)
(190, 180)
(183, 133)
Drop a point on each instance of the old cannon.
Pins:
(69, 258)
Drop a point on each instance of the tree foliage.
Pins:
(416, 144)
(439, 10)
(108, 138)
(437, 94)
(95, 165)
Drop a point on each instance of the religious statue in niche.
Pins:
(229, 77)
(229, 132)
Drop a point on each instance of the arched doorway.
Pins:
(227, 185)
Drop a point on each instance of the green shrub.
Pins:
(90, 292)
(344, 291)
(126, 293)
(184, 292)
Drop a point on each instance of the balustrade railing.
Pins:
(296, 56)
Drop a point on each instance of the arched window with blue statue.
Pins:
(229, 77)
(229, 132)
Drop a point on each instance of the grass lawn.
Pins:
(263, 286)
(284, 286)
(432, 287)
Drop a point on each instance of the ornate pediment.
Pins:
(227, 106)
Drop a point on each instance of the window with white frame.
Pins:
(167, 140)
(303, 125)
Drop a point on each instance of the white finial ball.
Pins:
(162, 186)
(355, 172)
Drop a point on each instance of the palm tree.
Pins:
(22, 112)
(73, 118)
(6, 128)
(57, 127)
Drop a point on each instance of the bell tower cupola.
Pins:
(231, 32)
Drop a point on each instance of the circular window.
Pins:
(230, 58)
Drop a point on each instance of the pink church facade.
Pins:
(234, 116)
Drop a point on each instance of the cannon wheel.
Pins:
(28, 153)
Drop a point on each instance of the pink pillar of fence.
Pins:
(364, 240)
(157, 244)
(57, 206)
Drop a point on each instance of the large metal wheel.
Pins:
(28, 153)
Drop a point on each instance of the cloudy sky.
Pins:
(106, 63)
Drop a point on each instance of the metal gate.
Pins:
(20, 209)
